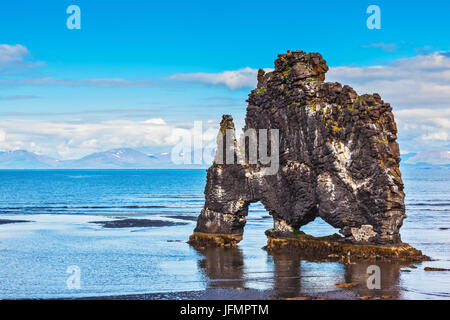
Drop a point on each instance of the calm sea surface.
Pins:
(60, 204)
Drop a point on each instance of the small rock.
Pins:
(346, 285)
(435, 269)
(135, 223)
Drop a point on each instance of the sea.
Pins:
(65, 249)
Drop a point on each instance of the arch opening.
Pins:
(260, 218)
(319, 228)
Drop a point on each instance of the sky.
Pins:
(138, 73)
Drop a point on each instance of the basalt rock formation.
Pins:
(338, 160)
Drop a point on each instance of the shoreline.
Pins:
(239, 294)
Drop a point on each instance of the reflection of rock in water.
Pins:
(223, 267)
(287, 273)
(390, 273)
(289, 270)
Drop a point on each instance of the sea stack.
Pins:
(338, 160)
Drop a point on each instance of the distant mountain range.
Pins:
(126, 158)
(22, 159)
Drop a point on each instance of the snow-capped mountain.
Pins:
(124, 158)
(21, 159)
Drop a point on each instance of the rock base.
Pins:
(333, 249)
(201, 240)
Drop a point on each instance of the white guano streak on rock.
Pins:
(343, 157)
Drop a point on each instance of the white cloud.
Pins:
(10, 55)
(421, 81)
(17, 97)
(423, 129)
(2, 135)
(67, 140)
(95, 82)
(435, 156)
(15, 60)
(418, 88)
(388, 47)
(156, 121)
(235, 79)
(15, 56)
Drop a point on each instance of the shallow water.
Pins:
(34, 256)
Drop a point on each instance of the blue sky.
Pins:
(135, 61)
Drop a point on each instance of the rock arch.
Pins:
(338, 160)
